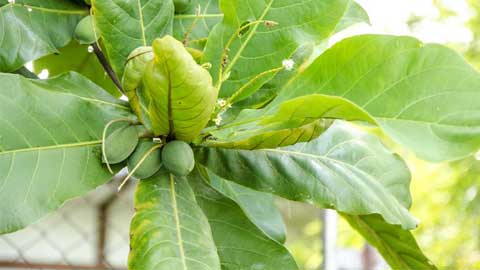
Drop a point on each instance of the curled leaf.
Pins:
(168, 90)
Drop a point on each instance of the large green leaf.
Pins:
(258, 206)
(30, 29)
(241, 245)
(424, 96)
(125, 25)
(397, 246)
(345, 169)
(194, 25)
(263, 33)
(297, 120)
(75, 57)
(169, 230)
(176, 92)
(50, 143)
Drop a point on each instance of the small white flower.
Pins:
(90, 49)
(288, 64)
(29, 9)
(218, 120)
(221, 102)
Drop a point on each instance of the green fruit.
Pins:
(177, 157)
(84, 32)
(120, 144)
(181, 5)
(150, 165)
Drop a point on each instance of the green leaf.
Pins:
(241, 245)
(169, 230)
(258, 206)
(194, 25)
(30, 29)
(424, 96)
(176, 92)
(302, 57)
(397, 246)
(263, 33)
(75, 57)
(50, 143)
(125, 25)
(345, 169)
(297, 120)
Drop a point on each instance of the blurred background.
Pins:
(92, 232)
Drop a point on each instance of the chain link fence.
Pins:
(91, 232)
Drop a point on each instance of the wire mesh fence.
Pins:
(91, 232)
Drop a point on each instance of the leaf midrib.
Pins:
(49, 10)
(177, 221)
(201, 16)
(248, 38)
(52, 147)
(386, 247)
(142, 26)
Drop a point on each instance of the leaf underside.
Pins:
(345, 169)
(258, 206)
(397, 246)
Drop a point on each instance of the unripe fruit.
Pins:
(150, 165)
(84, 32)
(120, 144)
(181, 5)
(177, 157)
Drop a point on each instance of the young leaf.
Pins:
(241, 245)
(397, 246)
(31, 29)
(424, 96)
(50, 143)
(255, 36)
(169, 230)
(194, 24)
(297, 120)
(258, 206)
(345, 169)
(178, 92)
(75, 57)
(128, 24)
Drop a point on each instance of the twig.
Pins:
(26, 73)
(106, 66)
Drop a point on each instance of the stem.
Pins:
(232, 98)
(26, 73)
(140, 162)
(106, 66)
(225, 67)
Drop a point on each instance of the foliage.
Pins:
(280, 124)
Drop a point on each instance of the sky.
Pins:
(391, 17)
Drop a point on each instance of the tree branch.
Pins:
(106, 66)
(26, 73)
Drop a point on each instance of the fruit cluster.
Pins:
(146, 157)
